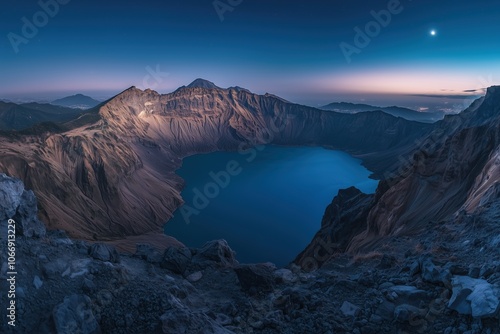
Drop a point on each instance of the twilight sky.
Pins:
(289, 48)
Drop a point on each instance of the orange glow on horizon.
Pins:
(403, 82)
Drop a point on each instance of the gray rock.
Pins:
(376, 319)
(20, 293)
(176, 259)
(104, 252)
(385, 286)
(474, 297)
(11, 191)
(285, 276)
(406, 313)
(217, 251)
(20, 205)
(432, 273)
(409, 295)
(53, 270)
(26, 218)
(195, 277)
(74, 315)
(350, 310)
(149, 253)
(386, 310)
(255, 276)
(37, 282)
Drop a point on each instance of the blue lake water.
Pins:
(267, 202)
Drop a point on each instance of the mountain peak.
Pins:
(202, 83)
(77, 101)
(493, 91)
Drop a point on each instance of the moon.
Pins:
(433, 32)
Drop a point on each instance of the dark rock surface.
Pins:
(70, 286)
(176, 259)
(104, 252)
(255, 277)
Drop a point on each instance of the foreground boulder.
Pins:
(148, 253)
(21, 205)
(474, 297)
(176, 259)
(432, 273)
(74, 315)
(217, 251)
(104, 252)
(11, 191)
(256, 277)
(27, 222)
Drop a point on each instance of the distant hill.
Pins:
(22, 116)
(78, 101)
(202, 83)
(406, 113)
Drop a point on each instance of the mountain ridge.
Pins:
(15, 117)
(453, 171)
(409, 114)
(116, 167)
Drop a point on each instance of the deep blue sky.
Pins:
(289, 48)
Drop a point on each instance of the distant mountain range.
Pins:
(409, 114)
(78, 101)
(21, 116)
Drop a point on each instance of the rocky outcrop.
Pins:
(475, 297)
(104, 253)
(176, 259)
(74, 315)
(344, 218)
(21, 205)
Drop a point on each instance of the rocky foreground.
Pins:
(444, 280)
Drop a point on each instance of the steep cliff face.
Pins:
(344, 218)
(112, 174)
(456, 168)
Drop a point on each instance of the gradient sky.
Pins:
(288, 48)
